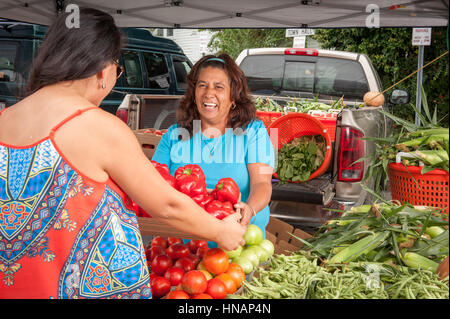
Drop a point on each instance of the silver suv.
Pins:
(285, 73)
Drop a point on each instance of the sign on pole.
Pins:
(420, 37)
(298, 32)
(299, 42)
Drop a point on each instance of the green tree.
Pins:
(233, 41)
(394, 57)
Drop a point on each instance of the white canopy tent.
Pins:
(244, 13)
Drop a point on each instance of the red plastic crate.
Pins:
(409, 185)
(327, 119)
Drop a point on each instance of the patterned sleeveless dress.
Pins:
(62, 234)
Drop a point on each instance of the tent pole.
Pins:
(419, 84)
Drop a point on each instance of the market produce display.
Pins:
(301, 157)
(301, 276)
(296, 105)
(402, 246)
(191, 270)
(190, 180)
(427, 144)
(256, 250)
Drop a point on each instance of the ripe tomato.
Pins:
(152, 276)
(194, 282)
(177, 294)
(158, 241)
(194, 258)
(174, 275)
(185, 263)
(177, 251)
(160, 264)
(174, 240)
(229, 282)
(202, 296)
(206, 273)
(154, 251)
(195, 244)
(215, 261)
(216, 289)
(201, 251)
(237, 273)
(160, 287)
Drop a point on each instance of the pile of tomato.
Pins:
(155, 131)
(191, 270)
(190, 180)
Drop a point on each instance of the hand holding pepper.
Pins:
(246, 212)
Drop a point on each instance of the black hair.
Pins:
(68, 54)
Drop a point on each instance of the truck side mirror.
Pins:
(399, 97)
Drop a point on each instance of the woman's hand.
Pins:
(246, 212)
(232, 234)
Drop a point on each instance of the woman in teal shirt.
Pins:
(217, 129)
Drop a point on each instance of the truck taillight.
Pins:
(351, 149)
(123, 115)
(301, 51)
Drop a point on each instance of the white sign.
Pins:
(204, 40)
(298, 32)
(421, 36)
(299, 42)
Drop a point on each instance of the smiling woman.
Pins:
(219, 131)
(221, 75)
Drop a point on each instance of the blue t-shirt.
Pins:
(225, 156)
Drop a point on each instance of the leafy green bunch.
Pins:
(301, 157)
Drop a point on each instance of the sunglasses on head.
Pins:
(119, 69)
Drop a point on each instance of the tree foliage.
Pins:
(394, 57)
(233, 41)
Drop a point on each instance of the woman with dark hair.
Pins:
(217, 129)
(66, 228)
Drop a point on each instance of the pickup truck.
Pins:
(283, 74)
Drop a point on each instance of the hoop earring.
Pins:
(233, 106)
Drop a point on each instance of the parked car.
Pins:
(153, 65)
(324, 75)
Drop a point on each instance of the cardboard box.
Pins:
(279, 233)
(148, 140)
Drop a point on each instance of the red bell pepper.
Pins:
(227, 190)
(219, 209)
(203, 199)
(191, 185)
(170, 179)
(190, 169)
(161, 167)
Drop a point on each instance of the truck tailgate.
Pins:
(317, 191)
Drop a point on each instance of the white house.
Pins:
(193, 42)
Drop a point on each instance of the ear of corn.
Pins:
(432, 157)
(362, 246)
(417, 261)
(434, 231)
(428, 132)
